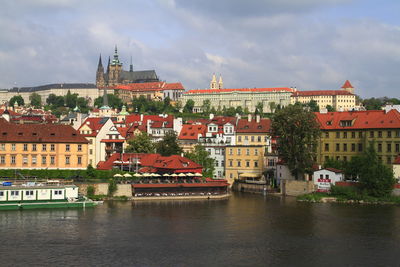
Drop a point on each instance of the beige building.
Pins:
(41, 146)
(243, 97)
(340, 100)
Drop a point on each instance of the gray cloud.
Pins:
(267, 44)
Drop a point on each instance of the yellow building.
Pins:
(347, 134)
(340, 100)
(41, 146)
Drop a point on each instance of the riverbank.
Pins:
(355, 198)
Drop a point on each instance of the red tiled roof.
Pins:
(94, 123)
(11, 112)
(321, 92)
(347, 84)
(152, 86)
(371, 119)
(175, 162)
(191, 132)
(244, 126)
(210, 91)
(39, 133)
(334, 170)
(122, 131)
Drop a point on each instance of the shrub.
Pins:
(90, 191)
(112, 187)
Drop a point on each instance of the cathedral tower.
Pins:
(100, 74)
(213, 83)
(114, 69)
(348, 87)
(220, 83)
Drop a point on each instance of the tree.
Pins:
(188, 108)
(272, 106)
(55, 101)
(313, 105)
(373, 103)
(206, 107)
(202, 157)
(259, 108)
(18, 99)
(113, 101)
(376, 179)
(297, 132)
(231, 111)
(36, 100)
(239, 110)
(330, 108)
(71, 99)
(140, 144)
(169, 145)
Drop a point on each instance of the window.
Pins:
(34, 160)
(353, 134)
(33, 147)
(255, 152)
(246, 138)
(44, 158)
(58, 192)
(79, 160)
(345, 135)
(379, 147)
(29, 193)
(14, 193)
(44, 147)
(67, 160)
(91, 151)
(238, 163)
(13, 159)
(337, 134)
(79, 148)
(2, 147)
(12, 147)
(321, 176)
(389, 148)
(353, 147)
(2, 159)
(259, 139)
(52, 160)
(360, 134)
(397, 147)
(380, 134)
(389, 134)
(326, 147)
(326, 176)
(1, 193)
(247, 163)
(389, 160)
(247, 151)
(52, 147)
(252, 138)
(217, 152)
(360, 147)
(337, 147)
(239, 139)
(327, 134)
(25, 147)
(344, 147)
(239, 151)
(230, 151)
(230, 163)
(344, 158)
(24, 159)
(67, 147)
(371, 134)
(256, 163)
(216, 163)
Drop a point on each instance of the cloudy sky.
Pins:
(308, 44)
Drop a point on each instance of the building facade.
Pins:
(41, 146)
(247, 98)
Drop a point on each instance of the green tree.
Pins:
(272, 106)
(90, 171)
(231, 111)
(297, 132)
(113, 101)
(239, 110)
(330, 108)
(140, 144)
(188, 108)
(375, 179)
(71, 99)
(202, 157)
(373, 103)
(169, 145)
(313, 105)
(36, 100)
(18, 99)
(206, 107)
(259, 108)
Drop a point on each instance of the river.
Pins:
(246, 230)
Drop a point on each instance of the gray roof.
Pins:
(55, 86)
(139, 76)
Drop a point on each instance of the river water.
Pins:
(246, 230)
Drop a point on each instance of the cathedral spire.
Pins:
(131, 66)
(213, 83)
(108, 64)
(100, 65)
(220, 83)
(115, 60)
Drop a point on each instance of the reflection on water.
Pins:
(246, 230)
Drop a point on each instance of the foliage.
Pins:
(272, 106)
(169, 145)
(112, 187)
(36, 100)
(313, 105)
(140, 144)
(313, 197)
(259, 108)
(206, 107)
(202, 157)
(297, 132)
(377, 103)
(18, 99)
(90, 171)
(330, 108)
(376, 179)
(231, 111)
(113, 101)
(55, 101)
(144, 105)
(188, 108)
(90, 191)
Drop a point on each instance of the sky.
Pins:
(307, 44)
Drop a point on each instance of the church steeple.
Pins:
(115, 60)
(100, 65)
(100, 74)
(220, 83)
(131, 66)
(213, 83)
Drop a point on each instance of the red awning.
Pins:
(112, 141)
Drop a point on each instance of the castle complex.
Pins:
(115, 75)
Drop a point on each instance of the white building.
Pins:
(324, 178)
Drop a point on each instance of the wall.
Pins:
(296, 188)
(102, 189)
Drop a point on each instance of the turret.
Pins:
(348, 87)
(213, 83)
(220, 83)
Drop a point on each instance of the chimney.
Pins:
(249, 118)
(258, 118)
(211, 116)
(141, 117)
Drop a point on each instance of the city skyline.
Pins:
(304, 44)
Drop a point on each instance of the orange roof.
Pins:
(152, 86)
(244, 126)
(347, 84)
(39, 133)
(191, 132)
(371, 119)
(321, 92)
(210, 91)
